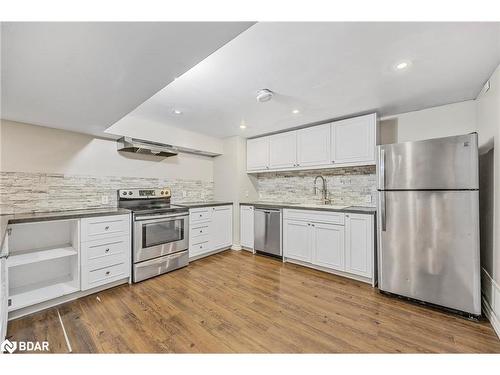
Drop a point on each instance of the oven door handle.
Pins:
(160, 217)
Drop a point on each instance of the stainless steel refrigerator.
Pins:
(428, 222)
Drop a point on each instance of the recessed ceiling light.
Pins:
(295, 111)
(402, 65)
(243, 126)
(177, 112)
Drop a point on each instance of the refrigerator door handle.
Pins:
(382, 211)
(381, 175)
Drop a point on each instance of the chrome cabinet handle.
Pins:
(107, 273)
(333, 161)
(106, 228)
(107, 250)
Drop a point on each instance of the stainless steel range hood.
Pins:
(140, 146)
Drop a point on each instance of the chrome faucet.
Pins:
(323, 190)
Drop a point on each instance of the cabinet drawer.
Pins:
(200, 214)
(199, 248)
(315, 216)
(106, 275)
(105, 227)
(106, 252)
(199, 239)
(199, 230)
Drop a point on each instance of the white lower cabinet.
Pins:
(297, 240)
(359, 244)
(246, 226)
(333, 241)
(222, 224)
(328, 245)
(64, 257)
(210, 229)
(105, 260)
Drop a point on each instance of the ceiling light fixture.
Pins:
(243, 126)
(295, 111)
(402, 65)
(177, 112)
(264, 95)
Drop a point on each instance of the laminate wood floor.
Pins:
(237, 302)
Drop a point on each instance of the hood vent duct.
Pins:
(139, 146)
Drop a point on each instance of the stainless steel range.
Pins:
(160, 232)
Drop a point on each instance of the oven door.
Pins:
(155, 236)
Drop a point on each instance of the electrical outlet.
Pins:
(184, 194)
(104, 199)
(368, 199)
(246, 193)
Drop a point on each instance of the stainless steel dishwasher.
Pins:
(267, 231)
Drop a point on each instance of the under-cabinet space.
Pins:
(44, 261)
(33, 283)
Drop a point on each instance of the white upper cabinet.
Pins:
(283, 150)
(342, 143)
(359, 244)
(258, 153)
(354, 140)
(313, 146)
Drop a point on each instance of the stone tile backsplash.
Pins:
(355, 186)
(40, 192)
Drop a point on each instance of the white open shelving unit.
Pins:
(44, 261)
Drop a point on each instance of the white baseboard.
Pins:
(490, 291)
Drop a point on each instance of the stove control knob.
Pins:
(129, 193)
(124, 193)
(162, 192)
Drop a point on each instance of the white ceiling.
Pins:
(327, 70)
(86, 76)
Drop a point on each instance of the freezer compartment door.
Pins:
(429, 247)
(441, 163)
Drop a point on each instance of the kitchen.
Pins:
(222, 204)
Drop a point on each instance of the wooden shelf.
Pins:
(33, 294)
(40, 255)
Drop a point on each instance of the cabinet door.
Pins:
(4, 290)
(297, 240)
(221, 230)
(283, 150)
(328, 245)
(246, 226)
(258, 153)
(359, 244)
(353, 140)
(313, 146)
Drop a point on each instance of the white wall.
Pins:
(231, 182)
(31, 148)
(137, 127)
(446, 120)
(488, 119)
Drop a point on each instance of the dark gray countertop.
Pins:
(5, 220)
(300, 206)
(202, 204)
